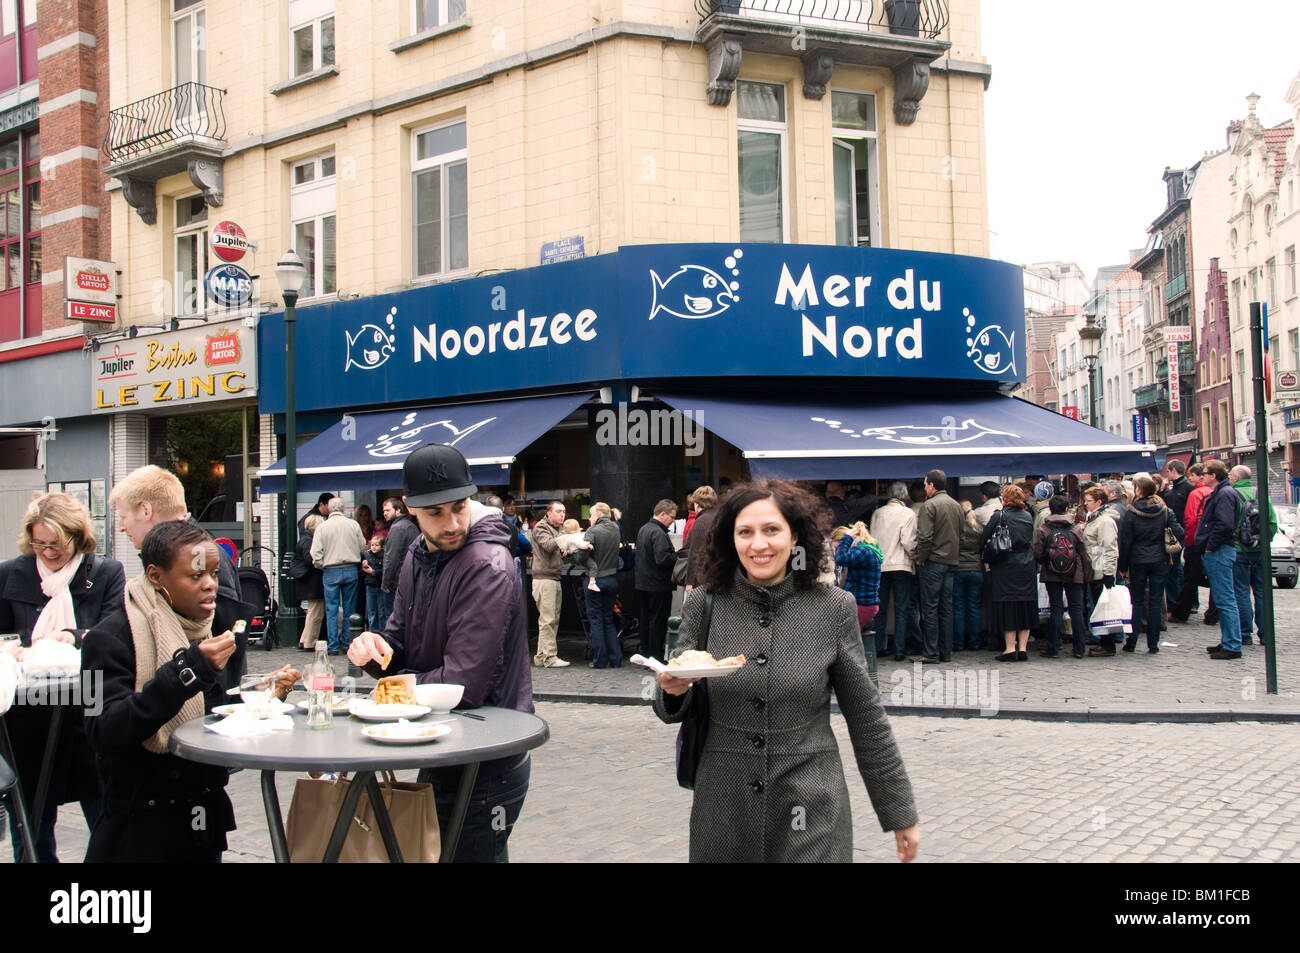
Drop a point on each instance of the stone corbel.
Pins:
(141, 196)
(911, 80)
(724, 67)
(207, 176)
(817, 68)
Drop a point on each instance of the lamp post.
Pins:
(1090, 334)
(290, 272)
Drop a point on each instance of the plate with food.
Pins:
(405, 733)
(695, 663)
(260, 710)
(392, 698)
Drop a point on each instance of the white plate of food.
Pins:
(698, 664)
(274, 707)
(368, 710)
(406, 733)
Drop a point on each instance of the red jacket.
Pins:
(1192, 513)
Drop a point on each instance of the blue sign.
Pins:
(661, 311)
(566, 249)
(1139, 428)
(228, 285)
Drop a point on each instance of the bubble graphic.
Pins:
(735, 271)
(729, 262)
(819, 420)
(735, 286)
(970, 342)
(832, 423)
(739, 253)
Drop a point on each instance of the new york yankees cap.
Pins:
(436, 474)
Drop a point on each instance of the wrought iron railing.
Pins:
(1150, 394)
(184, 113)
(920, 18)
(1175, 286)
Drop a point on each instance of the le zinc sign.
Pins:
(176, 368)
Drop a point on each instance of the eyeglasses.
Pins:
(48, 547)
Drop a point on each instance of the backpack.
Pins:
(1062, 551)
(1248, 528)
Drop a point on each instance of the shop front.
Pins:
(661, 367)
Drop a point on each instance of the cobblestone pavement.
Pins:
(603, 789)
(1181, 676)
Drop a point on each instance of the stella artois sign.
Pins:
(90, 281)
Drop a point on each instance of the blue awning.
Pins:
(366, 451)
(881, 438)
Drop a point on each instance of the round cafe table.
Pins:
(482, 734)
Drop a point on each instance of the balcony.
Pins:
(1175, 286)
(178, 130)
(899, 35)
(1150, 395)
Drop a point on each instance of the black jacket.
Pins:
(312, 585)
(133, 776)
(96, 592)
(1142, 533)
(1176, 497)
(604, 535)
(654, 558)
(1015, 578)
(1219, 519)
(401, 534)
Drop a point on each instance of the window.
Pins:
(312, 204)
(1204, 379)
(191, 263)
(761, 146)
(311, 35)
(1293, 343)
(1271, 269)
(1225, 428)
(1236, 301)
(189, 63)
(1214, 368)
(1207, 433)
(1275, 354)
(857, 200)
(1223, 368)
(20, 211)
(440, 195)
(1240, 382)
(1288, 271)
(431, 13)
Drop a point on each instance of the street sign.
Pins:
(228, 285)
(1071, 412)
(1178, 335)
(1175, 392)
(229, 242)
(85, 311)
(88, 280)
(1288, 381)
(1139, 428)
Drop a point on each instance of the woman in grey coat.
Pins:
(770, 785)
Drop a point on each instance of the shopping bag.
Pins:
(1044, 603)
(1113, 613)
(315, 806)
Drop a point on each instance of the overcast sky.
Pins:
(1091, 101)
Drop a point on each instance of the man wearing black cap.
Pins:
(459, 617)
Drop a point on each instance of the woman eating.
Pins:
(770, 785)
(157, 660)
(57, 589)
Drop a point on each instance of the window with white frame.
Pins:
(189, 42)
(427, 14)
(1293, 342)
(440, 200)
(311, 35)
(1288, 269)
(856, 164)
(190, 265)
(761, 132)
(312, 204)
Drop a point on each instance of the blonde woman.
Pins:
(602, 587)
(57, 589)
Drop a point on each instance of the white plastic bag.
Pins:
(1113, 614)
(1044, 603)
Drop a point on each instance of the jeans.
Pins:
(375, 617)
(1189, 597)
(1219, 567)
(340, 592)
(43, 840)
(1058, 594)
(606, 651)
(967, 593)
(1174, 581)
(936, 609)
(896, 585)
(1146, 585)
(494, 805)
(1248, 579)
(385, 609)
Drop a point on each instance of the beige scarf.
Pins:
(158, 631)
(59, 613)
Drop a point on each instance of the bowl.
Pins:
(439, 697)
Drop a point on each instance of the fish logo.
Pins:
(695, 292)
(949, 433)
(371, 346)
(990, 349)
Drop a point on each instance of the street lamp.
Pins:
(1090, 334)
(290, 272)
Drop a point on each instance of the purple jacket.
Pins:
(460, 618)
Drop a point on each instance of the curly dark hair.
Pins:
(162, 544)
(809, 523)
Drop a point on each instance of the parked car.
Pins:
(1285, 553)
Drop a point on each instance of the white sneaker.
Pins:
(556, 663)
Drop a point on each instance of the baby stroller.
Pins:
(259, 594)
